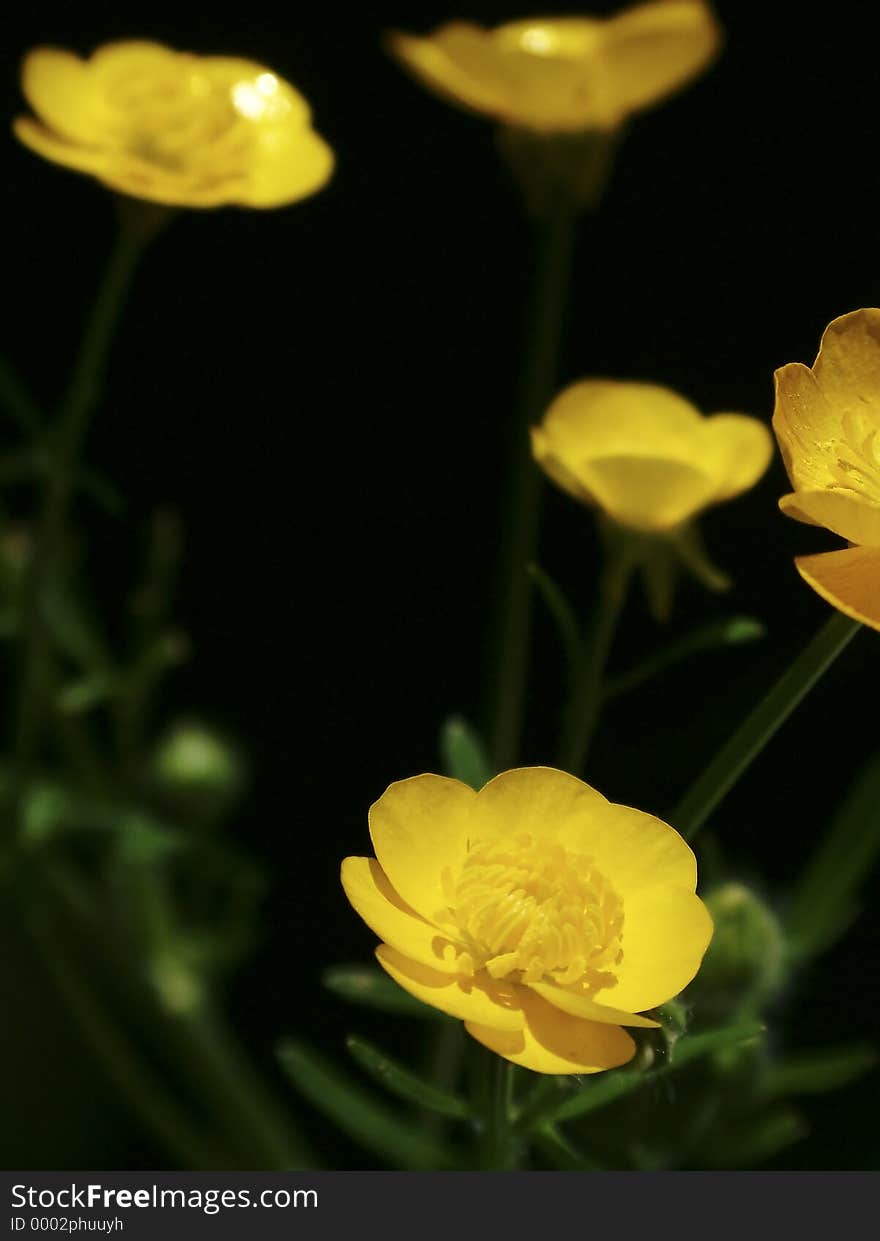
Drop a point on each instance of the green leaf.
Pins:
(390, 1135)
(757, 1141)
(562, 1153)
(370, 987)
(729, 631)
(616, 1085)
(563, 614)
(403, 1082)
(824, 898)
(87, 692)
(817, 1071)
(464, 755)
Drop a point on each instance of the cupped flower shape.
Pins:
(566, 74)
(173, 128)
(644, 455)
(827, 423)
(542, 915)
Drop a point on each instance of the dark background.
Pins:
(324, 392)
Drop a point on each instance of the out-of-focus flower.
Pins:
(645, 455)
(827, 422)
(566, 74)
(536, 911)
(173, 128)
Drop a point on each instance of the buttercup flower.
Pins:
(827, 422)
(645, 455)
(174, 128)
(542, 915)
(566, 74)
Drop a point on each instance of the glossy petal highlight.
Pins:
(173, 128)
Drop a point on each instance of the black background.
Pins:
(324, 391)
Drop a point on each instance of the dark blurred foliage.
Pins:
(323, 392)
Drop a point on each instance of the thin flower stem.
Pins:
(68, 436)
(499, 1147)
(753, 734)
(585, 701)
(555, 238)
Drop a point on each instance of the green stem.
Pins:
(508, 659)
(499, 1150)
(68, 436)
(585, 701)
(753, 734)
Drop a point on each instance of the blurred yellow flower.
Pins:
(565, 74)
(645, 455)
(173, 128)
(540, 914)
(827, 422)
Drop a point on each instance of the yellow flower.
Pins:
(827, 422)
(540, 914)
(174, 128)
(565, 74)
(645, 455)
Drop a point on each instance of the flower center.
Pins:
(531, 910)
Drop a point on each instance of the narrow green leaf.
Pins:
(403, 1082)
(563, 614)
(759, 1140)
(562, 1153)
(616, 1085)
(825, 895)
(87, 692)
(818, 1071)
(357, 1113)
(464, 755)
(729, 631)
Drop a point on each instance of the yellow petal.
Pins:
(546, 803)
(479, 999)
(556, 469)
(567, 1000)
(419, 828)
(59, 150)
(631, 849)
(666, 931)
(648, 493)
(847, 368)
(843, 512)
(848, 579)
(457, 62)
(613, 418)
(289, 164)
(804, 424)
(744, 448)
(62, 92)
(555, 1042)
(373, 897)
(654, 49)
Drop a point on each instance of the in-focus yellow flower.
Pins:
(542, 915)
(566, 74)
(827, 422)
(173, 128)
(644, 455)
